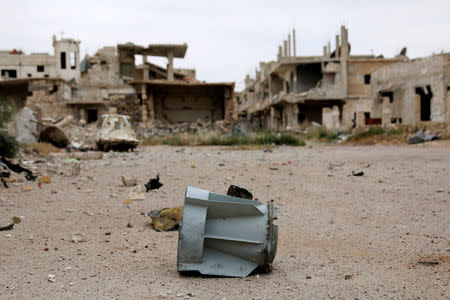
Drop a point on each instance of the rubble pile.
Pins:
(160, 128)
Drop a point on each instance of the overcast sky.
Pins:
(227, 39)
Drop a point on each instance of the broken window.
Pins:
(9, 73)
(73, 60)
(40, 68)
(91, 115)
(425, 102)
(63, 60)
(28, 75)
(388, 94)
(308, 76)
(46, 75)
(367, 79)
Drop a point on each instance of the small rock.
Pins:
(129, 225)
(129, 180)
(357, 173)
(79, 237)
(51, 278)
(136, 193)
(308, 277)
(27, 188)
(349, 276)
(76, 169)
(45, 179)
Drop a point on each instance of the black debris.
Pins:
(153, 184)
(9, 227)
(357, 173)
(236, 191)
(18, 169)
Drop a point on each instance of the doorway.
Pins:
(92, 115)
(425, 94)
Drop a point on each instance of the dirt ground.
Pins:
(382, 235)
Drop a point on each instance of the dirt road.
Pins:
(382, 235)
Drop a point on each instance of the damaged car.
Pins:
(114, 132)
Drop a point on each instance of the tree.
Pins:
(8, 144)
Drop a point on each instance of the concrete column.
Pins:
(325, 51)
(144, 59)
(143, 106)
(289, 45)
(285, 48)
(280, 52)
(150, 107)
(294, 42)
(344, 57)
(337, 46)
(170, 65)
(272, 119)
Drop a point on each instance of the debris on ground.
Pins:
(8, 166)
(236, 191)
(153, 184)
(79, 237)
(55, 136)
(166, 219)
(115, 133)
(129, 180)
(51, 278)
(75, 169)
(8, 227)
(348, 276)
(18, 169)
(219, 234)
(427, 263)
(420, 137)
(357, 173)
(136, 193)
(45, 179)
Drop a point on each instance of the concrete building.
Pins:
(332, 89)
(413, 92)
(63, 64)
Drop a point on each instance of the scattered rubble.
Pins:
(136, 193)
(129, 180)
(153, 184)
(166, 219)
(420, 137)
(357, 173)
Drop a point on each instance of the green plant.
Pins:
(8, 144)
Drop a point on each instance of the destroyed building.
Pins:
(338, 90)
(413, 92)
(174, 95)
(57, 85)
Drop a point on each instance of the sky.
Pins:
(227, 39)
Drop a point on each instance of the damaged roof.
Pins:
(179, 50)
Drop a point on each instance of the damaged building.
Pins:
(413, 92)
(338, 90)
(174, 95)
(57, 85)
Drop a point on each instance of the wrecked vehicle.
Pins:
(114, 132)
(224, 235)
